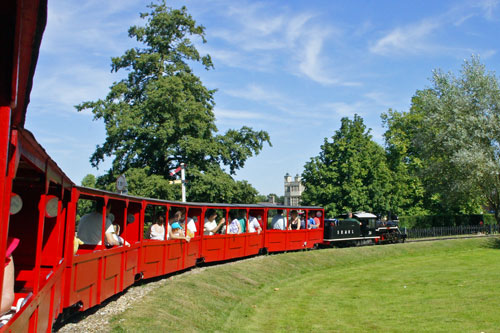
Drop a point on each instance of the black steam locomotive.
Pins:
(361, 229)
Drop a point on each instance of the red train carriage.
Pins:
(50, 273)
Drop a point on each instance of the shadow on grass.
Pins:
(492, 243)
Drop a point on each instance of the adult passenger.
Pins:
(295, 221)
(176, 217)
(254, 225)
(279, 221)
(90, 227)
(157, 230)
(211, 226)
(312, 222)
(8, 277)
(235, 226)
(317, 220)
(190, 224)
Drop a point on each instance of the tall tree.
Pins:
(408, 191)
(350, 172)
(460, 137)
(449, 140)
(162, 115)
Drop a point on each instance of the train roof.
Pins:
(21, 28)
(95, 191)
(365, 215)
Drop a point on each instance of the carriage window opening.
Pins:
(90, 219)
(186, 221)
(293, 217)
(214, 222)
(132, 232)
(255, 223)
(237, 221)
(277, 219)
(194, 227)
(84, 206)
(155, 226)
(314, 220)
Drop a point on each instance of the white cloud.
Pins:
(313, 65)
(487, 6)
(416, 38)
(266, 96)
(409, 39)
(343, 109)
(63, 88)
(286, 41)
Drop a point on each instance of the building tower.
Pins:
(293, 190)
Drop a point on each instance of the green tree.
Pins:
(89, 180)
(408, 191)
(161, 115)
(350, 172)
(459, 137)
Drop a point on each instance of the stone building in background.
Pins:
(293, 190)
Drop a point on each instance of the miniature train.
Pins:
(40, 206)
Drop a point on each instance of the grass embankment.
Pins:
(450, 286)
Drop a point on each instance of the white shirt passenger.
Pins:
(278, 222)
(253, 224)
(191, 226)
(209, 226)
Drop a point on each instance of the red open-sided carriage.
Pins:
(49, 275)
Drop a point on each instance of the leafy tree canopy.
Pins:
(350, 172)
(451, 140)
(161, 114)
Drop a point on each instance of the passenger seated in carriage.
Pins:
(8, 277)
(211, 227)
(279, 221)
(254, 225)
(177, 232)
(295, 221)
(90, 227)
(313, 222)
(116, 237)
(235, 226)
(190, 225)
(157, 230)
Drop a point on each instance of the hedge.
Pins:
(430, 221)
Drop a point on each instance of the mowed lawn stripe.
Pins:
(437, 286)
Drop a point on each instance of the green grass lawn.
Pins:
(447, 286)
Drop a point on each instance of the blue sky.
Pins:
(292, 68)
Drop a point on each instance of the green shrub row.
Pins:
(430, 221)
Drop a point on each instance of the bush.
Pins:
(429, 221)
